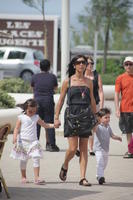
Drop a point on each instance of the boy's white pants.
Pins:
(102, 160)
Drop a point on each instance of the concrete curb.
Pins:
(10, 115)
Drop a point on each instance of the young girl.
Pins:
(25, 140)
(101, 142)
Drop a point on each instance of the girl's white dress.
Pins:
(27, 145)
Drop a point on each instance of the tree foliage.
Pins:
(108, 17)
(39, 5)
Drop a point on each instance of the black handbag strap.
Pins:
(69, 87)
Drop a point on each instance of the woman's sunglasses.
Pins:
(88, 63)
(80, 62)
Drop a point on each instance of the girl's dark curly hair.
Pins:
(71, 69)
(29, 102)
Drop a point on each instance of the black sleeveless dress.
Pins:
(78, 99)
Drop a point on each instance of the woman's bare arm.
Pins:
(100, 91)
(93, 103)
(61, 101)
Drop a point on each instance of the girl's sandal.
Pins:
(84, 182)
(39, 182)
(24, 181)
(63, 174)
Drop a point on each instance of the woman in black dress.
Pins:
(79, 90)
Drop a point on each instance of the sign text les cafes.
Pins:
(26, 33)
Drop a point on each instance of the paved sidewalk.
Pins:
(119, 176)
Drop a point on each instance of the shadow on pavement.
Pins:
(45, 193)
(119, 184)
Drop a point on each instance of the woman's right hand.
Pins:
(14, 140)
(57, 123)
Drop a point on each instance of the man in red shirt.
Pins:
(124, 86)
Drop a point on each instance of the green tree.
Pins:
(40, 6)
(122, 40)
(104, 16)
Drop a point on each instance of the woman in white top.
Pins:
(25, 140)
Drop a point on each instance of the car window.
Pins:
(1, 54)
(38, 55)
(16, 55)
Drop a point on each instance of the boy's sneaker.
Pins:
(101, 180)
(104, 180)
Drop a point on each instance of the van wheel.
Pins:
(26, 76)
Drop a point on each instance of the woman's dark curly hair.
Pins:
(71, 69)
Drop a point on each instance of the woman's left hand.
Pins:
(57, 123)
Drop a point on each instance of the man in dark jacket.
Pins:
(44, 85)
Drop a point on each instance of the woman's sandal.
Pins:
(84, 182)
(63, 174)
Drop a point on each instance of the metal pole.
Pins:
(65, 43)
(95, 49)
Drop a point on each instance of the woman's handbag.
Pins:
(79, 124)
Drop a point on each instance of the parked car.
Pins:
(19, 62)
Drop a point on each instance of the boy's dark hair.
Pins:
(45, 65)
(103, 111)
(29, 102)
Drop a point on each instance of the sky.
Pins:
(52, 7)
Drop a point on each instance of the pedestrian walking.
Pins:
(44, 86)
(80, 98)
(124, 111)
(97, 92)
(26, 141)
(102, 141)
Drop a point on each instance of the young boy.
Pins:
(101, 142)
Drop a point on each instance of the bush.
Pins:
(108, 79)
(6, 101)
(114, 66)
(15, 85)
